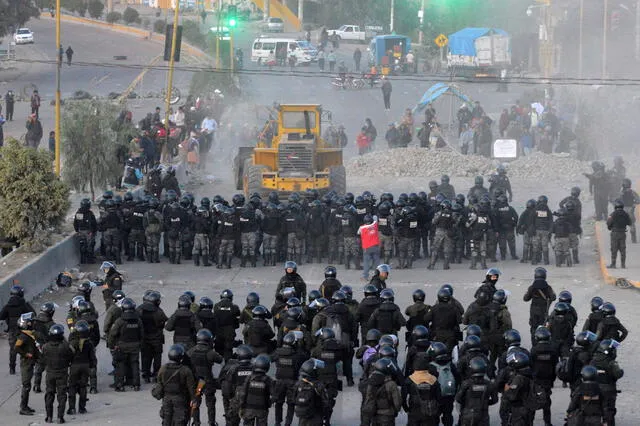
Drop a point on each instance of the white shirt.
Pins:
(178, 118)
(210, 125)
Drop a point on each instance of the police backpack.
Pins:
(305, 403)
(538, 396)
(446, 379)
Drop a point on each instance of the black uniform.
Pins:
(110, 225)
(256, 399)
(382, 401)
(288, 361)
(137, 238)
(259, 335)
(617, 223)
(561, 328)
(112, 282)
(83, 362)
(293, 280)
(11, 312)
(312, 402)
(366, 308)
(329, 286)
(611, 328)
(507, 219)
(543, 225)
(56, 357)
(420, 395)
(541, 296)
(41, 326)
(475, 396)
(516, 392)
(175, 222)
(179, 385)
(544, 357)
(609, 372)
(338, 316)
(126, 336)
(203, 358)
(331, 352)
(587, 405)
(387, 318)
(86, 226)
(443, 321)
(153, 320)
(227, 316)
(185, 324)
(232, 377)
(416, 314)
(25, 345)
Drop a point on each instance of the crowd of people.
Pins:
(314, 332)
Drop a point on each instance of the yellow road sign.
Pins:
(441, 40)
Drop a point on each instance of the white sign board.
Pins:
(505, 148)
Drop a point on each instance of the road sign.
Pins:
(441, 40)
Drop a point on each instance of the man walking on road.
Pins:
(9, 100)
(35, 103)
(69, 53)
(357, 56)
(386, 93)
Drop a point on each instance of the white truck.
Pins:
(355, 32)
(479, 52)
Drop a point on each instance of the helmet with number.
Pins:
(477, 367)
(478, 181)
(348, 291)
(500, 296)
(418, 296)
(292, 302)
(118, 295)
(512, 337)
(48, 308)
(311, 367)
(226, 294)
(596, 303)
(565, 296)
(561, 308)
(177, 353)
(387, 295)
(25, 322)
(259, 312)
(338, 297)
(330, 272)
(17, 291)
(56, 332)
(370, 290)
(128, 305)
(438, 351)
(420, 332)
(444, 295)
(253, 299)
(385, 366)
(313, 295)
(387, 351)
(589, 373)
(586, 338)
(184, 302)
(85, 288)
(608, 309)
(518, 360)
(204, 336)
(474, 330)
(540, 273)
(205, 303)
(472, 343)
(244, 352)
(85, 203)
(325, 334)
(373, 336)
(542, 334)
(289, 339)
(84, 307)
(82, 328)
(290, 265)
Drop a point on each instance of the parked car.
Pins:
(23, 36)
(274, 25)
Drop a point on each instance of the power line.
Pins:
(561, 81)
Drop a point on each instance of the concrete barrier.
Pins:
(38, 274)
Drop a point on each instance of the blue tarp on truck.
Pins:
(463, 41)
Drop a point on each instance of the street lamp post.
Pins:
(605, 30)
(545, 38)
(174, 38)
(393, 6)
(58, 69)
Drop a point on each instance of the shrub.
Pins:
(96, 8)
(130, 15)
(113, 17)
(159, 26)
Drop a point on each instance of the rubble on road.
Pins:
(420, 162)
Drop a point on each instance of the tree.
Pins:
(96, 7)
(15, 13)
(90, 145)
(113, 17)
(32, 199)
(130, 15)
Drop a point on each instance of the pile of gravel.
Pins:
(420, 162)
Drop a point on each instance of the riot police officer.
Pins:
(443, 320)
(350, 238)
(610, 326)
(479, 225)
(507, 219)
(312, 402)
(526, 228)
(541, 295)
(331, 284)
(544, 357)
(202, 226)
(26, 346)
(478, 190)
(56, 357)
(386, 229)
(271, 228)
(227, 316)
(443, 222)
(249, 225)
(587, 401)
(228, 225)
(137, 238)
(125, 337)
(83, 362)
(110, 225)
(85, 225)
(500, 182)
(178, 387)
(608, 373)
(476, 394)
(232, 377)
(11, 312)
(184, 323)
(630, 199)
(445, 188)
(288, 359)
(383, 400)
(112, 282)
(388, 317)
(331, 352)
(543, 223)
(203, 357)
(153, 320)
(152, 222)
(617, 223)
(257, 333)
(255, 397)
(407, 233)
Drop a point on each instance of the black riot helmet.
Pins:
(460, 199)
(48, 308)
(373, 336)
(444, 295)
(608, 309)
(387, 295)
(348, 198)
(418, 296)
(608, 347)
(226, 294)
(177, 353)
(82, 328)
(543, 200)
(259, 312)
(370, 290)
(25, 322)
(85, 288)
(290, 265)
(85, 204)
(325, 334)
(338, 297)
(438, 351)
(348, 291)
(618, 204)
(542, 334)
(320, 303)
(500, 296)
(295, 313)
(56, 332)
(518, 360)
(289, 339)
(118, 295)
(313, 295)
(561, 308)
(565, 296)
(586, 338)
(205, 303)
(512, 337)
(310, 368)
(204, 336)
(244, 352)
(477, 367)
(127, 305)
(472, 343)
(387, 351)
(575, 191)
(445, 205)
(253, 299)
(293, 302)
(540, 273)
(419, 332)
(493, 272)
(385, 366)
(192, 295)
(589, 373)
(238, 200)
(474, 330)
(261, 364)
(389, 340)
(596, 303)
(17, 291)
(84, 307)
(330, 272)
(206, 203)
(184, 302)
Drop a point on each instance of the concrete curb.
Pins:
(602, 262)
(38, 274)
(124, 95)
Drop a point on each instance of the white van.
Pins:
(304, 51)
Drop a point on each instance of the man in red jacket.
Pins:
(370, 245)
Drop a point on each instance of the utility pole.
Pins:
(638, 30)
(393, 6)
(218, 31)
(605, 30)
(231, 52)
(421, 16)
(58, 69)
(174, 38)
(580, 47)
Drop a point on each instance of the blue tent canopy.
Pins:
(437, 90)
(463, 41)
